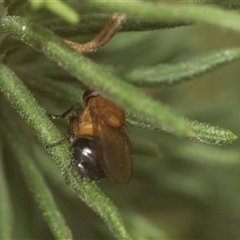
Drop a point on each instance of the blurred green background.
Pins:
(179, 189)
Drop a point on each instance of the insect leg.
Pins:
(55, 144)
(69, 111)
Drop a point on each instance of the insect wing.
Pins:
(116, 150)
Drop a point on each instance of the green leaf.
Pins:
(203, 132)
(186, 13)
(178, 73)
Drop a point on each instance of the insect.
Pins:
(99, 145)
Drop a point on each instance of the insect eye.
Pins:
(89, 93)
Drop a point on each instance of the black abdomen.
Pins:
(85, 158)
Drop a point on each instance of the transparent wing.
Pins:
(116, 150)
